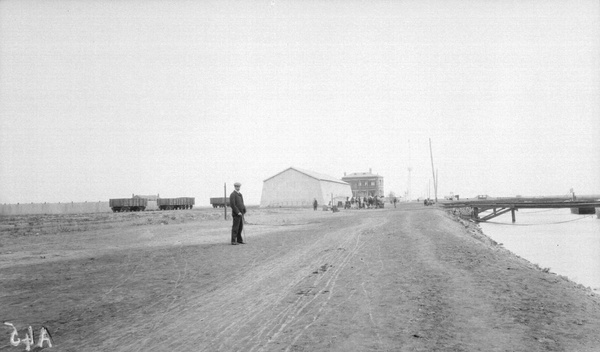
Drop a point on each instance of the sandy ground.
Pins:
(412, 278)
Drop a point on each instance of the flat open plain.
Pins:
(411, 278)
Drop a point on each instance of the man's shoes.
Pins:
(242, 242)
(234, 243)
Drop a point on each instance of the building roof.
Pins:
(361, 174)
(315, 175)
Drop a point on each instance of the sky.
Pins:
(104, 99)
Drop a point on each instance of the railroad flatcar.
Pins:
(128, 204)
(175, 203)
(219, 202)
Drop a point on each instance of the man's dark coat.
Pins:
(237, 203)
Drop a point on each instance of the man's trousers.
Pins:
(236, 229)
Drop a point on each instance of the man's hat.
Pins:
(237, 184)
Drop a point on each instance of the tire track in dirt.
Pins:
(123, 278)
(282, 311)
(181, 274)
(339, 263)
(258, 305)
(137, 330)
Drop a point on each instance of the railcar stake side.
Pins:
(128, 204)
(219, 202)
(140, 204)
(175, 203)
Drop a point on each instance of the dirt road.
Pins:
(405, 279)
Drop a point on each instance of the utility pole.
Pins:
(429, 189)
(436, 183)
(433, 172)
(225, 198)
(408, 195)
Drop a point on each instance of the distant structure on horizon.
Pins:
(151, 198)
(294, 187)
(365, 184)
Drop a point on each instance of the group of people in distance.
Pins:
(369, 202)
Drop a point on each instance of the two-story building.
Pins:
(364, 184)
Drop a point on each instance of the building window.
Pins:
(372, 183)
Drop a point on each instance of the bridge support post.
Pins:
(512, 212)
(475, 213)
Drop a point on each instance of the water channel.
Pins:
(567, 244)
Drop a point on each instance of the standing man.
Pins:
(315, 204)
(238, 210)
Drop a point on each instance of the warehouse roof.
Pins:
(316, 175)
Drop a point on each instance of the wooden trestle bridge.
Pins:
(499, 206)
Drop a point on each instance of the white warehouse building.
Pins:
(294, 187)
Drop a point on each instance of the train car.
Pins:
(219, 202)
(128, 204)
(175, 203)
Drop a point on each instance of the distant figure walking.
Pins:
(238, 209)
(315, 204)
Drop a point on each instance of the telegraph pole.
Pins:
(408, 195)
(436, 183)
(225, 198)
(433, 172)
